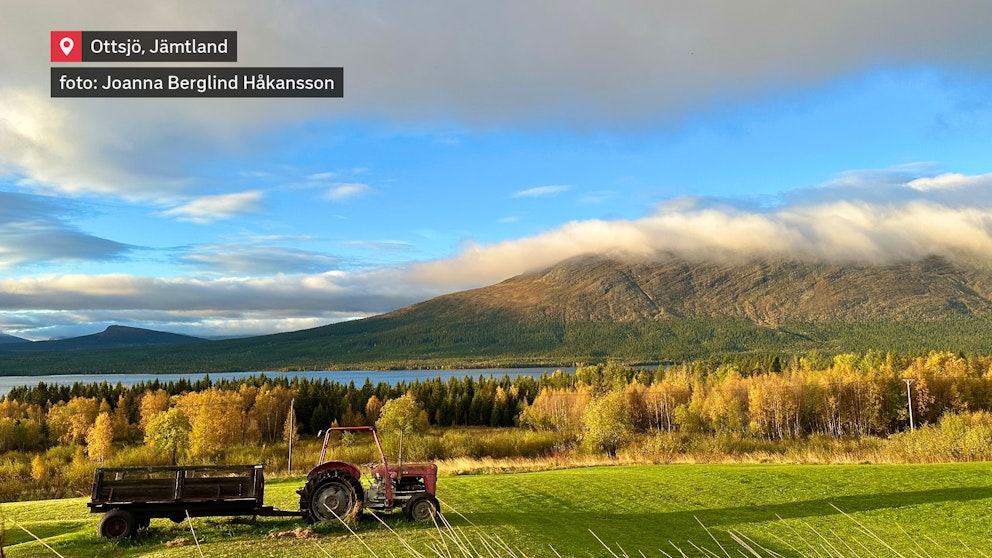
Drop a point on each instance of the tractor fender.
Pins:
(343, 466)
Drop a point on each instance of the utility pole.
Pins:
(909, 399)
(292, 429)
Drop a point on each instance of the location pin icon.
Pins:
(67, 46)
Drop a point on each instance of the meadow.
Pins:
(912, 510)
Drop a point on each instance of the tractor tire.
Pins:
(421, 508)
(117, 524)
(329, 494)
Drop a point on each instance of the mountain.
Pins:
(601, 289)
(114, 337)
(592, 309)
(5, 339)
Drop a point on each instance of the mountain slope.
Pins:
(597, 308)
(114, 337)
(603, 289)
(5, 339)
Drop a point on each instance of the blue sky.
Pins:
(477, 141)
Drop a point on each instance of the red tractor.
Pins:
(333, 489)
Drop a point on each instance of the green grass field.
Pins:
(890, 510)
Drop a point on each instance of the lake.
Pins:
(358, 376)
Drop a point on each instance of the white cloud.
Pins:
(653, 61)
(951, 181)
(207, 209)
(814, 223)
(343, 191)
(541, 191)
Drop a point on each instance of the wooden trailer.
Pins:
(129, 497)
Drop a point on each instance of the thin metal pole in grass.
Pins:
(320, 548)
(190, 519)
(458, 532)
(868, 550)
(910, 537)
(482, 538)
(786, 543)
(868, 531)
(604, 544)
(451, 533)
(442, 535)
(397, 535)
(350, 530)
(469, 545)
(56, 552)
(770, 552)
(741, 542)
(933, 542)
(704, 550)
(969, 548)
(510, 551)
(711, 536)
(463, 541)
(831, 550)
(798, 534)
(677, 548)
(841, 539)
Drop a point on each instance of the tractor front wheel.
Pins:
(421, 508)
(330, 496)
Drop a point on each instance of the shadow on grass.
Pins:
(821, 507)
(14, 535)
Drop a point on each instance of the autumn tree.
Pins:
(214, 416)
(100, 438)
(269, 411)
(402, 415)
(70, 422)
(152, 403)
(169, 431)
(557, 409)
(373, 408)
(607, 423)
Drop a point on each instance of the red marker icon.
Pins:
(67, 46)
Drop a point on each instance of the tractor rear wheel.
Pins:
(331, 495)
(421, 508)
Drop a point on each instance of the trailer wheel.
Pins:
(117, 524)
(421, 508)
(329, 494)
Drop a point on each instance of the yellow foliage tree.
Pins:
(152, 403)
(100, 438)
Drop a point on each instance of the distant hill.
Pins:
(592, 309)
(114, 337)
(5, 339)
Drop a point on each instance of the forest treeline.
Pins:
(771, 397)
